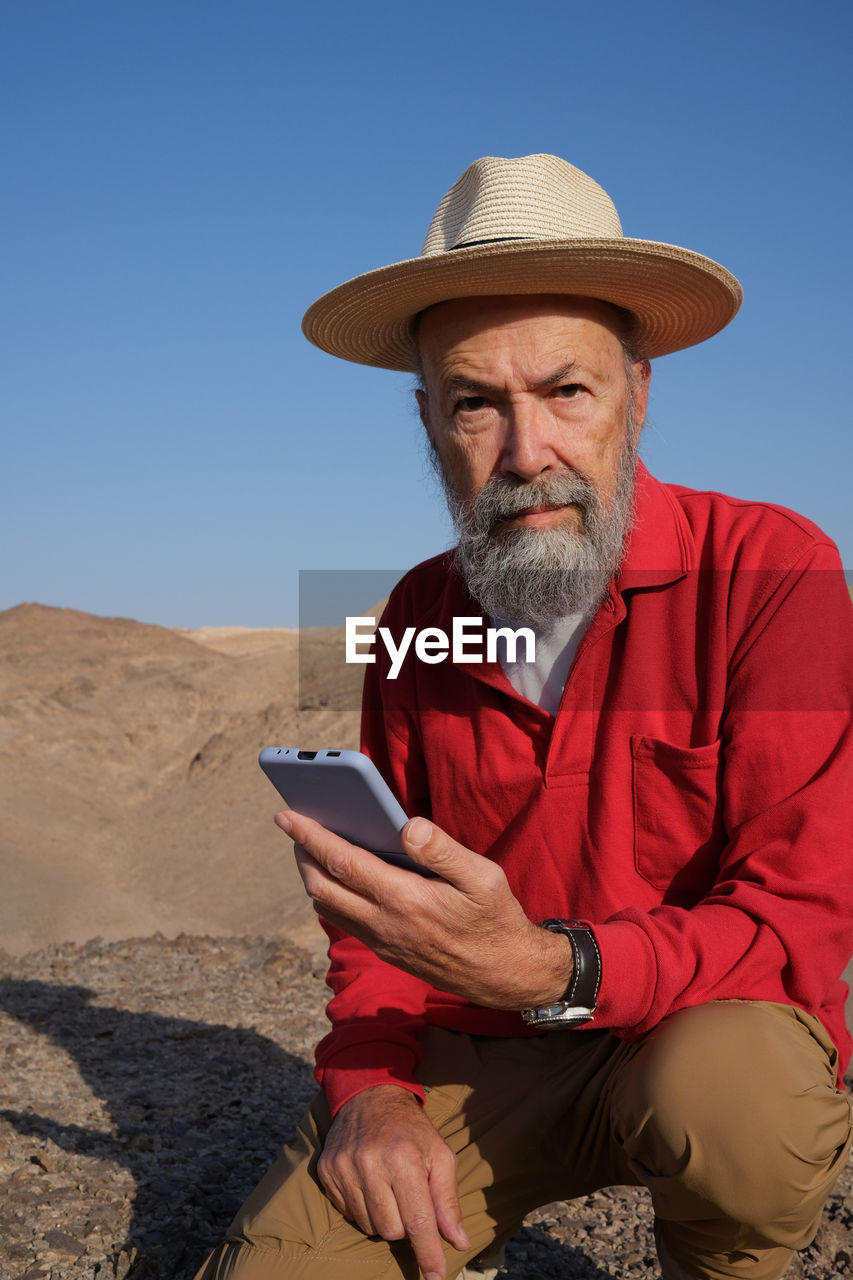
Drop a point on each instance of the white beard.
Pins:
(530, 576)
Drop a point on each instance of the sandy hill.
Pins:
(129, 788)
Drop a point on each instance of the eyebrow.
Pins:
(458, 384)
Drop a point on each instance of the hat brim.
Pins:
(677, 297)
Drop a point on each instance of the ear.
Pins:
(423, 409)
(641, 376)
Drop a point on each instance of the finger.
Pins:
(469, 872)
(357, 1211)
(336, 902)
(346, 890)
(418, 1216)
(314, 875)
(370, 1204)
(347, 1199)
(345, 909)
(425, 1239)
(345, 863)
(332, 1190)
(445, 1198)
(383, 1210)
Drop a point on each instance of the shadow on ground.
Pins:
(189, 1104)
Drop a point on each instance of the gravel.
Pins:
(146, 1085)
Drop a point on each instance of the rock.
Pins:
(123, 1263)
(64, 1243)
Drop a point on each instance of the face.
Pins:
(526, 387)
(528, 404)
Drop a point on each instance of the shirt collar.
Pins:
(660, 546)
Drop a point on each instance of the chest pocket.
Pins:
(678, 824)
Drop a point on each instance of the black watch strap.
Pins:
(578, 1005)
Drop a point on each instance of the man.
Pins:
(629, 969)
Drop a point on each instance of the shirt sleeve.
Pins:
(778, 922)
(376, 1010)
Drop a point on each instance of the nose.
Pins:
(528, 447)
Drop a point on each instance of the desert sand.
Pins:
(131, 797)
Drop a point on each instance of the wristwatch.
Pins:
(579, 1003)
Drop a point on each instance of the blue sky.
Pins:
(184, 178)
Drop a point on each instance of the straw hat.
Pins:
(530, 225)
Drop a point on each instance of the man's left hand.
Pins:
(465, 933)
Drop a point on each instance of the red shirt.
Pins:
(692, 799)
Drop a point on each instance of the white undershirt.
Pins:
(543, 680)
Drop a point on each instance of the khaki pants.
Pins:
(728, 1113)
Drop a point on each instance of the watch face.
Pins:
(555, 1015)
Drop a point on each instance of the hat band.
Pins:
(469, 244)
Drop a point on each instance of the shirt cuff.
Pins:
(628, 975)
(363, 1066)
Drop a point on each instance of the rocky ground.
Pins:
(145, 1085)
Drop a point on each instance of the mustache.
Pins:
(500, 499)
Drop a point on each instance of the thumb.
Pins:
(434, 848)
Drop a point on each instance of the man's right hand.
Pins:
(385, 1168)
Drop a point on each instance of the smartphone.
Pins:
(344, 791)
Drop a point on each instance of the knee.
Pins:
(730, 1109)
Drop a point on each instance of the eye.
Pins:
(568, 390)
(470, 404)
